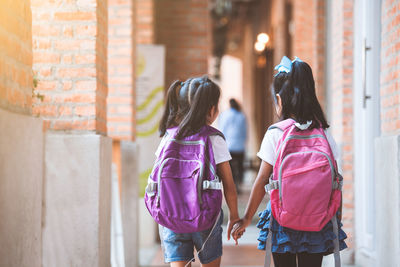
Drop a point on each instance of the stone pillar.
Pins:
(21, 178)
(129, 202)
(121, 103)
(70, 64)
(21, 142)
(77, 200)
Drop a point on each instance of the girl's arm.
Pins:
(256, 196)
(225, 173)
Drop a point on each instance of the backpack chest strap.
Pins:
(151, 187)
(214, 184)
(274, 184)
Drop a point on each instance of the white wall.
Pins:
(231, 81)
(21, 177)
(129, 201)
(77, 197)
(387, 190)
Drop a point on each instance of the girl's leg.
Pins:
(179, 264)
(284, 259)
(310, 259)
(214, 263)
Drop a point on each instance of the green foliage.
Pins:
(35, 84)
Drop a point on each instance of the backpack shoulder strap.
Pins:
(210, 131)
(282, 125)
(171, 131)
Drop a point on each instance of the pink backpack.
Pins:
(305, 185)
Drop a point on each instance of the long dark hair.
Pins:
(234, 104)
(188, 104)
(297, 92)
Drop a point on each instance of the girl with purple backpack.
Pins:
(184, 191)
(302, 219)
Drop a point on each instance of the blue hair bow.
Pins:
(286, 65)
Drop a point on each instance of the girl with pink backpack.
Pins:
(301, 223)
(184, 191)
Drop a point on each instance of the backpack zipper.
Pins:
(311, 151)
(297, 137)
(200, 181)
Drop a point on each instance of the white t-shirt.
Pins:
(268, 146)
(219, 145)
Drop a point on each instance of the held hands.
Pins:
(239, 227)
(231, 223)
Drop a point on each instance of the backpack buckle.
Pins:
(151, 188)
(273, 184)
(338, 184)
(214, 184)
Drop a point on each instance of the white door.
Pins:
(366, 119)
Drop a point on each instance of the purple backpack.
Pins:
(184, 191)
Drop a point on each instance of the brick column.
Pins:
(16, 57)
(121, 76)
(346, 121)
(70, 64)
(182, 26)
(121, 102)
(304, 16)
(21, 142)
(145, 21)
(309, 39)
(340, 102)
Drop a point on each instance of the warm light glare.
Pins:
(258, 46)
(263, 38)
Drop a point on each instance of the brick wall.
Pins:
(279, 27)
(182, 26)
(121, 58)
(309, 39)
(69, 61)
(145, 21)
(347, 119)
(303, 35)
(16, 82)
(341, 101)
(319, 58)
(101, 63)
(390, 68)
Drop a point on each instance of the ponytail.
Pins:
(171, 108)
(203, 94)
(188, 104)
(297, 92)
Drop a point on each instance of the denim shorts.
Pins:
(179, 247)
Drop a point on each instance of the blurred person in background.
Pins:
(233, 125)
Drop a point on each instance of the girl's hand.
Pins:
(231, 223)
(225, 173)
(239, 228)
